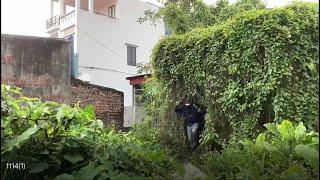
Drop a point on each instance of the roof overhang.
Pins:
(139, 79)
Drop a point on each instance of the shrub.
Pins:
(284, 151)
(62, 142)
(257, 67)
(157, 125)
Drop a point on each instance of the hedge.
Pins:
(257, 67)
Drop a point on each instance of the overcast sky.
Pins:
(28, 17)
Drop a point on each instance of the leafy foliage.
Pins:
(271, 156)
(181, 16)
(62, 142)
(257, 67)
(158, 126)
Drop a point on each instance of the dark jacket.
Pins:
(189, 113)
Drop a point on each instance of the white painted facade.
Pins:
(101, 42)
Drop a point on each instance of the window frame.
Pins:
(131, 50)
(112, 11)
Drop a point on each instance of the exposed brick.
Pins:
(107, 102)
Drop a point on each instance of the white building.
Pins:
(108, 40)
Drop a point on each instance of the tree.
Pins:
(181, 16)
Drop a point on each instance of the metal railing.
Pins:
(53, 21)
(59, 20)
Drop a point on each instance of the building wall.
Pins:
(101, 44)
(40, 66)
(108, 103)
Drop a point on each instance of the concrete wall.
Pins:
(106, 64)
(101, 43)
(108, 103)
(40, 66)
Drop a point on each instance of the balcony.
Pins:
(57, 23)
(67, 20)
(53, 24)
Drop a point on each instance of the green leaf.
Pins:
(15, 142)
(269, 147)
(64, 177)
(50, 130)
(87, 172)
(59, 114)
(315, 140)
(29, 99)
(37, 167)
(294, 172)
(271, 127)
(89, 110)
(306, 152)
(286, 130)
(45, 152)
(300, 132)
(259, 142)
(73, 158)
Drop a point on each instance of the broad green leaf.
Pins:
(37, 167)
(15, 142)
(73, 158)
(306, 152)
(87, 172)
(269, 147)
(315, 140)
(272, 127)
(259, 142)
(300, 132)
(248, 145)
(89, 110)
(286, 130)
(59, 114)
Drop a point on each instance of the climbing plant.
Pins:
(181, 16)
(257, 67)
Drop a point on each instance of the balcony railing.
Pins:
(61, 22)
(53, 22)
(67, 19)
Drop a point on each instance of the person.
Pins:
(189, 113)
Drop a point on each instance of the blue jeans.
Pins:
(192, 133)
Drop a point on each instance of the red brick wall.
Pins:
(108, 103)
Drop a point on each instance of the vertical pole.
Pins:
(62, 7)
(91, 6)
(134, 104)
(51, 8)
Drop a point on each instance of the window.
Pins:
(131, 55)
(112, 11)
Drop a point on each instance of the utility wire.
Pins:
(108, 48)
(91, 67)
(101, 43)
